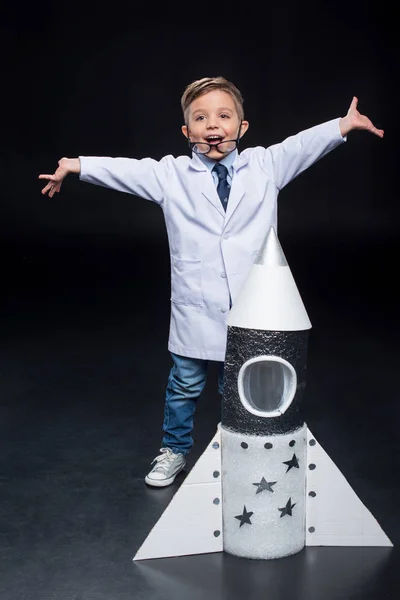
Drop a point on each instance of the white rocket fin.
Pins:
(334, 512)
(192, 522)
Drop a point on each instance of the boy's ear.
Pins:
(185, 131)
(244, 127)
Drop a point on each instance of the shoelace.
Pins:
(167, 457)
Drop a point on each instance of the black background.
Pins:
(82, 80)
(85, 275)
(103, 82)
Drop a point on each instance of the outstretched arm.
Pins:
(285, 161)
(145, 177)
(355, 120)
(65, 166)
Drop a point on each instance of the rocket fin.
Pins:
(335, 515)
(192, 522)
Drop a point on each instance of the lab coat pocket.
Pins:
(186, 285)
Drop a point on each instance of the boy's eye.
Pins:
(223, 116)
(200, 118)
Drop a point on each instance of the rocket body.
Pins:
(263, 433)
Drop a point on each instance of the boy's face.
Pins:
(213, 118)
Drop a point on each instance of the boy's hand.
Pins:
(355, 120)
(65, 166)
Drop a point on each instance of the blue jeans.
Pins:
(186, 381)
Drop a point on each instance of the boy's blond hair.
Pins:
(207, 84)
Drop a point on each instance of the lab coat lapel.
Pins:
(237, 189)
(206, 184)
(210, 192)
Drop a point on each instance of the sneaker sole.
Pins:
(163, 482)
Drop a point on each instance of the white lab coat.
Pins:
(212, 252)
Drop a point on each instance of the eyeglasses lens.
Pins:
(223, 147)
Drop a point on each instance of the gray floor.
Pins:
(83, 370)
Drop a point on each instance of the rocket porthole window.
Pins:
(267, 385)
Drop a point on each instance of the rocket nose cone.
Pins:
(271, 253)
(269, 299)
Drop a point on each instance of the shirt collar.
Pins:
(227, 161)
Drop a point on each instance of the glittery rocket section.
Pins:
(264, 369)
(263, 498)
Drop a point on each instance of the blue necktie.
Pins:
(223, 187)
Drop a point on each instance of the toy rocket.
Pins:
(263, 434)
(279, 489)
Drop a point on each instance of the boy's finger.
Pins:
(45, 176)
(354, 102)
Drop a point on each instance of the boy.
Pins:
(218, 205)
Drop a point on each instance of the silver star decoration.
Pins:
(264, 485)
(287, 510)
(293, 462)
(245, 517)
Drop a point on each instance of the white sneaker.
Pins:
(168, 465)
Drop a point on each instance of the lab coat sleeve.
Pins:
(285, 161)
(144, 177)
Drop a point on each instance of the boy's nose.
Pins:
(212, 124)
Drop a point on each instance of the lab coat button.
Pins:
(226, 236)
(223, 309)
(223, 274)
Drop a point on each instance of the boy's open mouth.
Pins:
(214, 139)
